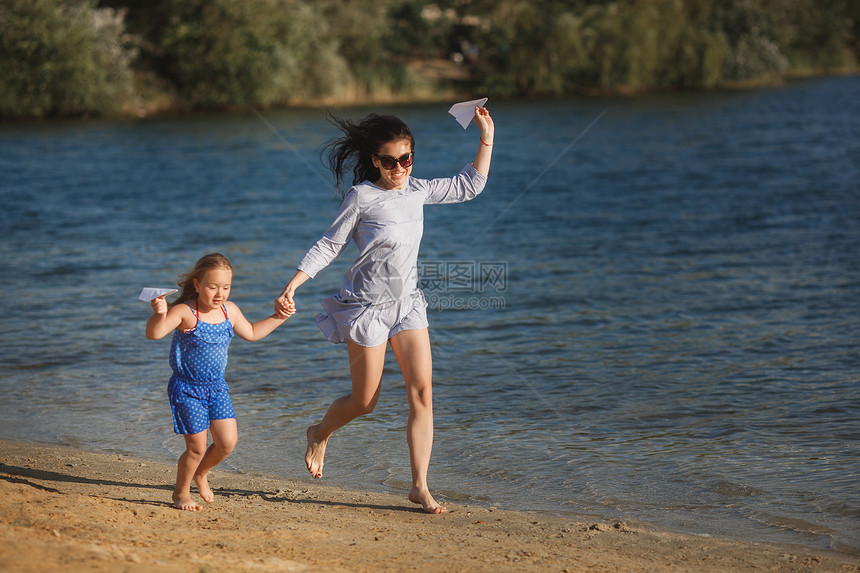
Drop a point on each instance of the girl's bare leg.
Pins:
(412, 349)
(195, 449)
(365, 367)
(225, 434)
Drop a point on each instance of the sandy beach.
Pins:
(63, 509)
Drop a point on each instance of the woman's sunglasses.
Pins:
(389, 162)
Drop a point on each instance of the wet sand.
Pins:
(63, 509)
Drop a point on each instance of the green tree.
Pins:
(555, 46)
(814, 33)
(61, 57)
(373, 42)
(748, 27)
(221, 52)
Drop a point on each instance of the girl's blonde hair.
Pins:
(203, 264)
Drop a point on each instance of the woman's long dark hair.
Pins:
(359, 143)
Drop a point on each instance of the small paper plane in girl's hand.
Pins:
(148, 294)
(464, 111)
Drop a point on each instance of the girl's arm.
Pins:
(164, 321)
(485, 148)
(260, 329)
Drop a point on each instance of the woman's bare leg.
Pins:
(412, 349)
(365, 367)
(225, 434)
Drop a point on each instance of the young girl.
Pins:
(379, 302)
(203, 322)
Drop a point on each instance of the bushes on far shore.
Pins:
(558, 47)
(62, 58)
(87, 57)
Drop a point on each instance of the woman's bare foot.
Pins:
(184, 501)
(425, 500)
(315, 454)
(203, 488)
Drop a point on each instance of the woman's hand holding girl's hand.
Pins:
(159, 305)
(285, 306)
(284, 309)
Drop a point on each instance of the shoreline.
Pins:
(66, 509)
(433, 92)
(166, 106)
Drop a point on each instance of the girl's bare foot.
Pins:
(425, 500)
(184, 501)
(203, 488)
(315, 454)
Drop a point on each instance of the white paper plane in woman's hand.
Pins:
(148, 294)
(464, 111)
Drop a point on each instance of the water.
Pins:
(667, 330)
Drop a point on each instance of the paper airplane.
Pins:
(464, 111)
(148, 294)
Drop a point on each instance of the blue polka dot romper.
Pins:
(197, 390)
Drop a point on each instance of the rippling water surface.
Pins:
(667, 329)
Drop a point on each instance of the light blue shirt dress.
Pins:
(379, 296)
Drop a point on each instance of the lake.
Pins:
(651, 313)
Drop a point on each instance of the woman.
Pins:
(380, 302)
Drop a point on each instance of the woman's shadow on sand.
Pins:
(21, 475)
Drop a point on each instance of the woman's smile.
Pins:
(394, 178)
